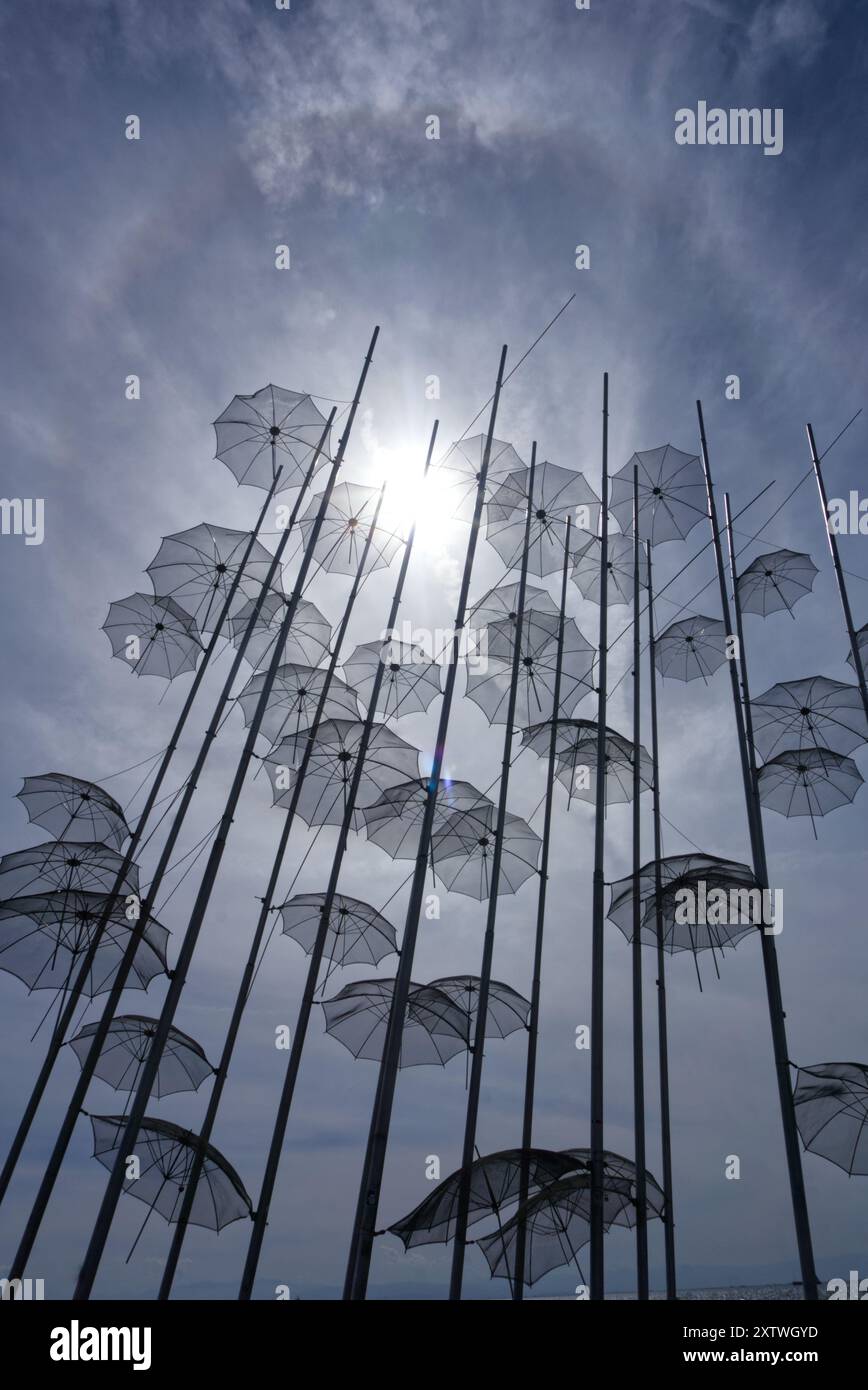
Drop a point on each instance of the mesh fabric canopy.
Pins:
(410, 682)
(699, 876)
(462, 853)
(672, 496)
(814, 712)
(775, 581)
(489, 681)
(197, 567)
(808, 782)
(326, 784)
(44, 937)
(357, 934)
(557, 493)
(306, 643)
(166, 640)
(274, 428)
(619, 565)
(347, 523)
(60, 865)
(507, 1011)
(183, 1065)
(831, 1101)
(294, 698)
(435, 1029)
(576, 753)
(394, 820)
(691, 649)
(69, 808)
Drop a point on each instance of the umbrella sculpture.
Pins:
(463, 467)
(341, 538)
(462, 852)
(776, 581)
(411, 679)
(390, 760)
(183, 1066)
(808, 782)
(296, 694)
(44, 936)
(502, 602)
(672, 497)
(576, 753)
(691, 649)
(558, 493)
(619, 566)
(506, 1011)
(706, 903)
(69, 807)
(620, 1168)
(357, 933)
(66, 866)
(198, 569)
(435, 1029)
(489, 685)
(154, 636)
(273, 428)
(307, 641)
(394, 820)
(814, 712)
(831, 1100)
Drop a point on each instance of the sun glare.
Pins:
(430, 502)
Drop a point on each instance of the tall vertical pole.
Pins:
(662, 1026)
(362, 1243)
(533, 1017)
(858, 663)
(75, 993)
(127, 1141)
(638, 1027)
(769, 953)
(462, 1213)
(597, 1290)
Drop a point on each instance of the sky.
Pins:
(156, 257)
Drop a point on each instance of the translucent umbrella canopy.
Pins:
(434, 1029)
(44, 937)
(65, 866)
(831, 1100)
(624, 1169)
(576, 754)
(394, 820)
(153, 636)
(619, 567)
(462, 853)
(357, 934)
(463, 464)
(410, 683)
(489, 680)
(691, 648)
(274, 428)
(507, 1010)
(672, 496)
(183, 1065)
(557, 1222)
(196, 568)
(495, 1183)
(325, 787)
(69, 808)
(307, 642)
(775, 581)
(861, 647)
(558, 493)
(689, 881)
(502, 603)
(808, 782)
(347, 523)
(814, 712)
(166, 1154)
(294, 698)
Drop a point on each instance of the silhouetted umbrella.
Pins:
(411, 679)
(619, 564)
(154, 636)
(623, 1169)
(814, 712)
(462, 852)
(273, 428)
(389, 761)
(775, 581)
(357, 933)
(576, 753)
(197, 568)
(502, 603)
(43, 937)
(63, 866)
(294, 698)
(394, 820)
(557, 1222)
(691, 648)
(808, 782)
(347, 522)
(672, 496)
(306, 643)
(489, 686)
(698, 875)
(463, 465)
(831, 1101)
(507, 1011)
(68, 807)
(558, 493)
(183, 1065)
(435, 1029)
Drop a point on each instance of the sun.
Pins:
(429, 501)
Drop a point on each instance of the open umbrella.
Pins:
(558, 493)
(463, 464)
(435, 1029)
(831, 1100)
(274, 427)
(814, 712)
(808, 782)
(197, 568)
(691, 648)
(411, 679)
(306, 643)
(183, 1065)
(347, 522)
(775, 581)
(44, 936)
(463, 850)
(722, 893)
(394, 820)
(576, 754)
(489, 682)
(507, 1010)
(619, 564)
(672, 496)
(64, 866)
(68, 807)
(294, 698)
(154, 636)
(325, 788)
(357, 933)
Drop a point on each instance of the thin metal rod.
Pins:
(662, 1027)
(533, 1017)
(597, 1270)
(858, 663)
(769, 953)
(362, 1242)
(126, 864)
(137, 1110)
(638, 1030)
(459, 1244)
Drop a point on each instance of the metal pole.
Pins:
(459, 1244)
(597, 1270)
(362, 1243)
(137, 1109)
(662, 1027)
(71, 1004)
(769, 953)
(858, 663)
(638, 1033)
(533, 1017)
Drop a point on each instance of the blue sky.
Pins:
(156, 257)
